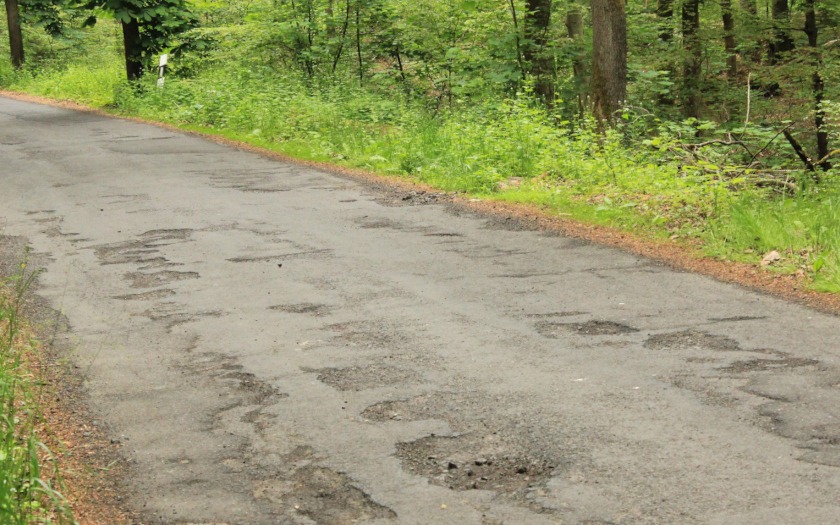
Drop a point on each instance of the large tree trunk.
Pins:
(537, 20)
(782, 42)
(729, 43)
(609, 58)
(131, 44)
(15, 35)
(817, 83)
(692, 72)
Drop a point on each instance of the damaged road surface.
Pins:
(275, 344)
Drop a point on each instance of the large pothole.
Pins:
(476, 461)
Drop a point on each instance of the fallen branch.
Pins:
(800, 152)
(786, 184)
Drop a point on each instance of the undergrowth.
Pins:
(28, 475)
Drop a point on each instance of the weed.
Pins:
(28, 493)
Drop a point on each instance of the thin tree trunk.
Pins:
(574, 30)
(301, 45)
(340, 49)
(398, 57)
(692, 95)
(517, 39)
(609, 58)
(817, 83)
(131, 45)
(15, 34)
(359, 42)
(782, 42)
(729, 43)
(537, 22)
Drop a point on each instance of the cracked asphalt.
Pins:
(276, 344)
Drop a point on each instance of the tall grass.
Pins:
(28, 492)
(803, 228)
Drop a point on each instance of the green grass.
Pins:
(27, 497)
(508, 150)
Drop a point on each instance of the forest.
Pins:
(710, 123)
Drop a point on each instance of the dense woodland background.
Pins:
(713, 121)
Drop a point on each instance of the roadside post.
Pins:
(162, 69)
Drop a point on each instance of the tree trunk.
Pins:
(15, 35)
(782, 42)
(359, 42)
(692, 94)
(817, 84)
(338, 52)
(665, 12)
(729, 43)
(537, 20)
(574, 30)
(609, 58)
(131, 44)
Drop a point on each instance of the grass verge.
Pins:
(29, 478)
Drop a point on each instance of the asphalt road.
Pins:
(275, 344)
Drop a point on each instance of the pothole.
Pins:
(315, 309)
(379, 223)
(371, 334)
(326, 496)
(147, 296)
(364, 377)
(418, 408)
(691, 339)
(473, 461)
(552, 329)
(140, 250)
(153, 280)
(257, 392)
(763, 365)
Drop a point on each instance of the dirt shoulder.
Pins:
(90, 464)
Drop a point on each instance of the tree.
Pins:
(729, 40)
(148, 27)
(782, 42)
(537, 21)
(817, 84)
(15, 34)
(609, 58)
(692, 97)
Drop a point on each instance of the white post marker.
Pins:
(162, 69)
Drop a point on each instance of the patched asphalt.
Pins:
(270, 343)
